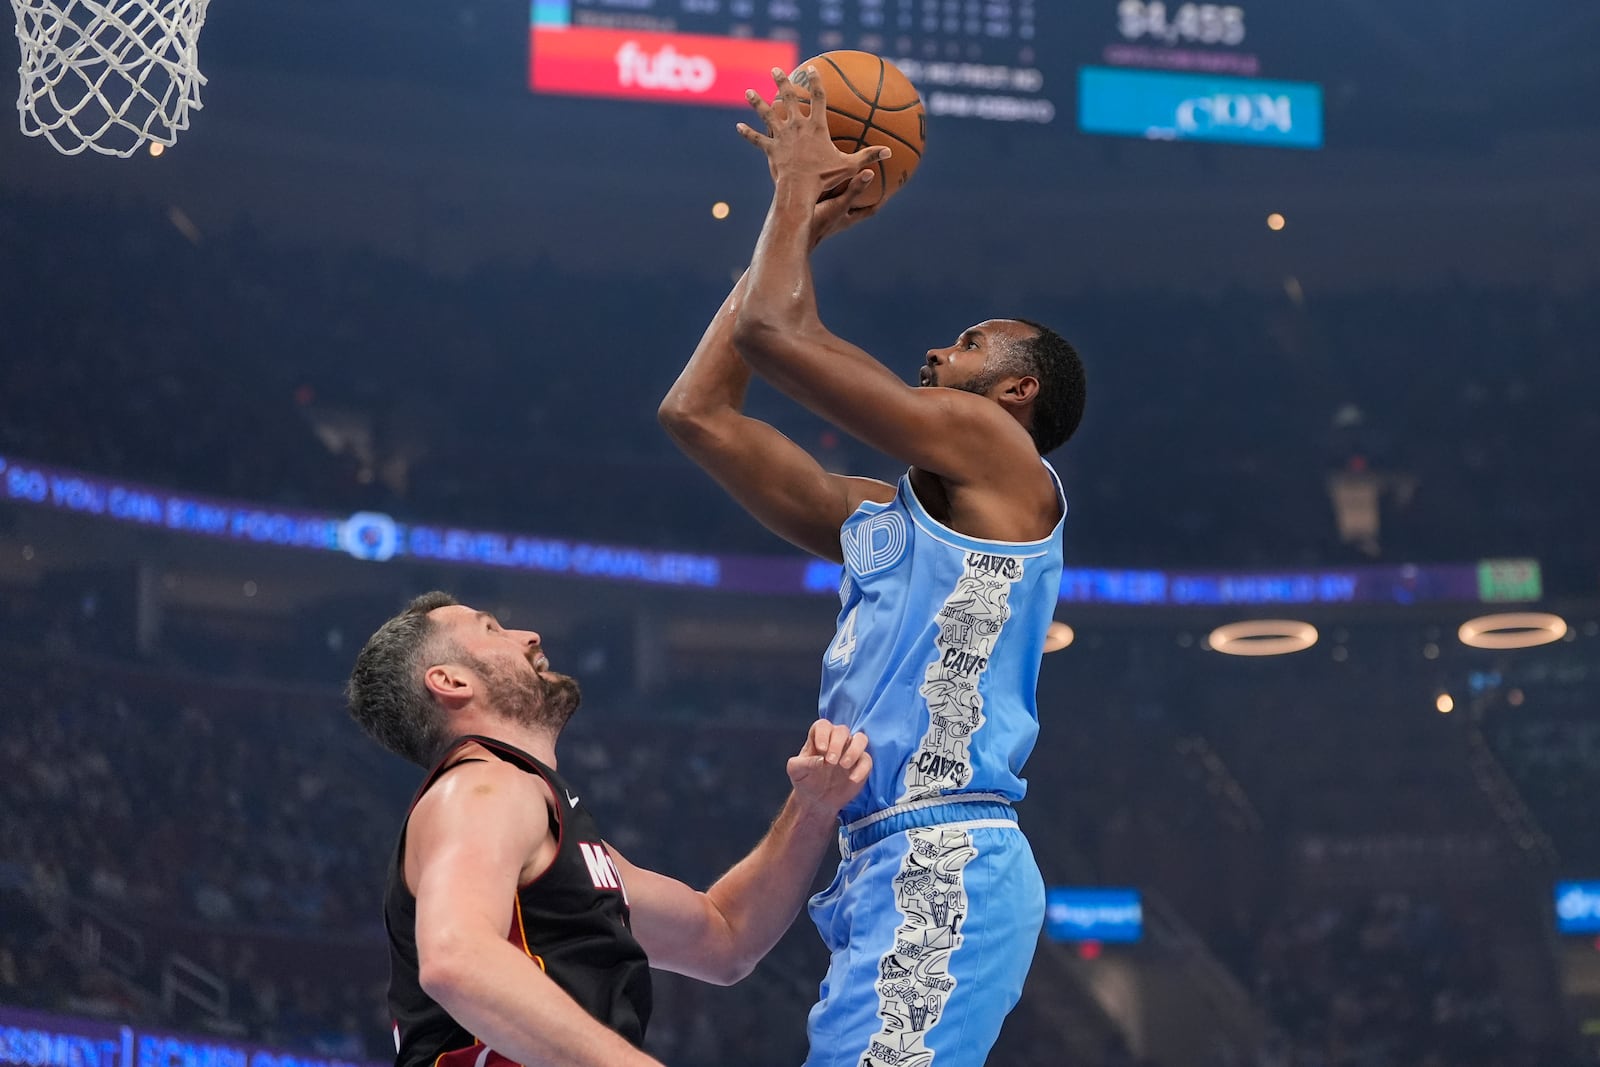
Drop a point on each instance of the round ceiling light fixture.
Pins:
(1263, 637)
(1513, 629)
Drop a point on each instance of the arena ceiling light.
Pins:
(1263, 637)
(1059, 636)
(1513, 629)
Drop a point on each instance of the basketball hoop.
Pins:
(110, 75)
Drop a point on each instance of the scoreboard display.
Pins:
(1168, 71)
(977, 57)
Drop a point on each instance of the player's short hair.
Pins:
(1062, 386)
(386, 693)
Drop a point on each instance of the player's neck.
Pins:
(536, 742)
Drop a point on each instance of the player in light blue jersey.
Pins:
(950, 581)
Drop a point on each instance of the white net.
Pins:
(109, 75)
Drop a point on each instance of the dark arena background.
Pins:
(396, 311)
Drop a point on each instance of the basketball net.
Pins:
(109, 75)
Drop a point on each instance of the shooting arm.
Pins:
(773, 478)
(779, 333)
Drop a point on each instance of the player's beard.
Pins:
(980, 383)
(544, 701)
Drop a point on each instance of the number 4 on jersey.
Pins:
(844, 642)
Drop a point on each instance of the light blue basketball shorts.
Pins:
(932, 921)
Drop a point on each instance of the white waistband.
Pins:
(926, 802)
(846, 852)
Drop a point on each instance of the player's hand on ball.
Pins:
(831, 767)
(798, 143)
(837, 213)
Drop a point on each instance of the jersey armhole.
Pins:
(552, 812)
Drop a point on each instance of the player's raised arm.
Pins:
(467, 844)
(720, 935)
(773, 478)
(957, 435)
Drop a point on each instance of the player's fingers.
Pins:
(838, 738)
(817, 738)
(863, 767)
(854, 190)
(857, 214)
(755, 137)
(836, 204)
(788, 91)
(819, 96)
(866, 157)
(853, 751)
(759, 105)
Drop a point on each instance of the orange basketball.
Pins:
(871, 103)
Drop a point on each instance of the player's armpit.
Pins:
(778, 482)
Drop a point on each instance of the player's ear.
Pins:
(450, 683)
(1021, 390)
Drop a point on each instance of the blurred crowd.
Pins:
(1390, 979)
(1224, 429)
(177, 817)
(1539, 718)
(101, 767)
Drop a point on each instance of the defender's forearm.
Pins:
(761, 894)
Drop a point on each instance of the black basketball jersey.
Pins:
(572, 920)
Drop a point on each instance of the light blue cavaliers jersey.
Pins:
(937, 652)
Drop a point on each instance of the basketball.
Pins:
(871, 103)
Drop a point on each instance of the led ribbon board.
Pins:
(376, 537)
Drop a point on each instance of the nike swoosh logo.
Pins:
(851, 873)
(572, 800)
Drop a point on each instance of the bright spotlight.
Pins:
(720, 210)
(1275, 222)
(1446, 704)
